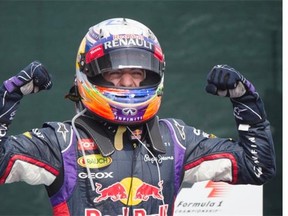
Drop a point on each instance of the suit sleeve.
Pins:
(33, 156)
(249, 160)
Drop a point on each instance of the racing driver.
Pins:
(115, 156)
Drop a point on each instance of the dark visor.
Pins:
(126, 58)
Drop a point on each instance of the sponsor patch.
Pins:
(87, 144)
(28, 134)
(94, 161)
(139, 192)
(62, 130)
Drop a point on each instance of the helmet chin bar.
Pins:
(80, 107)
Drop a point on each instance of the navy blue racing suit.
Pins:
(135, 178)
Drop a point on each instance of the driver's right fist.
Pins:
(33, 78)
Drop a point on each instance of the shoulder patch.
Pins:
(180, 129)
(28, 134)
(212, 136)
(62, 130)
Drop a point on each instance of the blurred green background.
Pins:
(195, 36)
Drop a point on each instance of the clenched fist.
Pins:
(33, 78)
(224, 80)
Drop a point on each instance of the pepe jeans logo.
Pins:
(129, 111)
(159, 159)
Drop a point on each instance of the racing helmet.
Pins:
(114, 44)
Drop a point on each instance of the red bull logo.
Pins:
(139, 191)
(115, 192)
(162, 211)
(136, 134)
(146, 190)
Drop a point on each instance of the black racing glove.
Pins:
(224, 80)
(33, 78)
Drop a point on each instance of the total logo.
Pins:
(87, 144)
(129, 195)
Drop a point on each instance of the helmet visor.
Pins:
(126, 58)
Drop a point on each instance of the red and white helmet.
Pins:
(120, 43)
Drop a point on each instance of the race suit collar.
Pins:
(97, 132)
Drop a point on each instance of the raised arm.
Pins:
(32, 79)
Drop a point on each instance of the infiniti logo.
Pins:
(129, 111)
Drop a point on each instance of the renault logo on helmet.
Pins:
(129, 111)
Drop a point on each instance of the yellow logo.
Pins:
(130, 200)
(28, 134)
(94, 161)
(212, 136)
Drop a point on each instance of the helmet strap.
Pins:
(118, 138)
(154, 135)
(73, 94)
(96, 131)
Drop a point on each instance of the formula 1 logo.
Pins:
(123, 192)
(218, 189)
